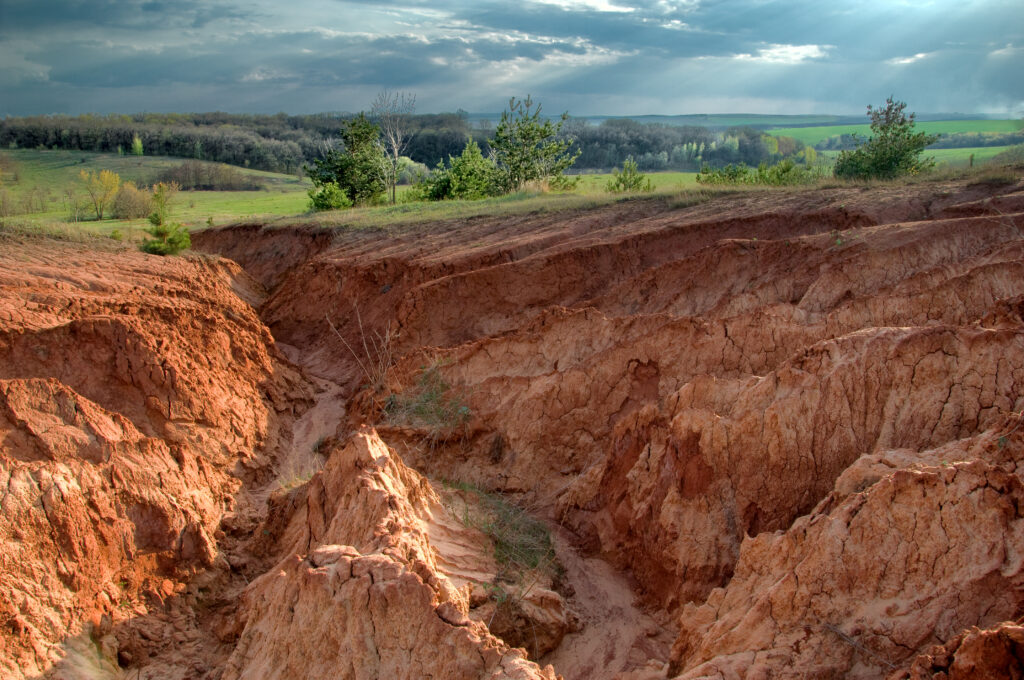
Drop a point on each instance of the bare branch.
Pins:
(392, 112)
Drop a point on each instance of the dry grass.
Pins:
(377, 357)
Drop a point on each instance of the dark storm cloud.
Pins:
(664, 56)
(49, 15)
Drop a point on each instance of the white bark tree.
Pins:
(392, 111)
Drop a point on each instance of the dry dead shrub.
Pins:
(132, 203)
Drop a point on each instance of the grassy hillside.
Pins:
(813, 135)
(47, 175)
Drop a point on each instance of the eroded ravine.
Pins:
(772, 433)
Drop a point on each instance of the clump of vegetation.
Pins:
(194, 175)
(168, 239)
(521, 542)
(468, 176)
(893, 150)
(526, 148)
(431, 403)
(359, 169)
(629, 179)
(102, 187)
(1012, 156)
(328, 196)
(783, 173)
(131, 202)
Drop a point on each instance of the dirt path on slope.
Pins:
(616, 639)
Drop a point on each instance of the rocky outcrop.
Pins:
(360, 593)
(996, 653)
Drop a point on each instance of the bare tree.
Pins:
(393, 112)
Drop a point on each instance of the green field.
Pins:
(661, 181)
(48, 174)
(813, 135)
(957, 158)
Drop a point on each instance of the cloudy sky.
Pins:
(586, 56)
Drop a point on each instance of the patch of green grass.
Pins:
(661, 181)
(432, 404)
(813, 135)
(521, 542)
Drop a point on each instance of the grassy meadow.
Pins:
(815, 134)
(42, 177)
(955, 158)
(46, 176)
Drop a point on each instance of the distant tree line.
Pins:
(283, 143)
(655, 146)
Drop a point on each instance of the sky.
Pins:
(588, 57)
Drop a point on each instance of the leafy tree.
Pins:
(468, 176)
(163, 193)
(525, 147)
(893, 149)
(136, 145)
(360, 168)
(393, 112)
(629, 179)
(102, 188)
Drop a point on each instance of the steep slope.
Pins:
(766, 433)
(137, 395)
(689, 387)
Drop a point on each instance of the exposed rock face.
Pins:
(789, 423)
(359, 594)
(131, 390)
(854, 589)
(996, 653)
(679, 385)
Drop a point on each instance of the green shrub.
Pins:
(168, 239)
(629, 179)
(160, 202)
(730, 174)
(328, 196)
(783, 173)
(893, 150)
(468, 176)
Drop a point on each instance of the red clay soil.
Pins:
(775, 434)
